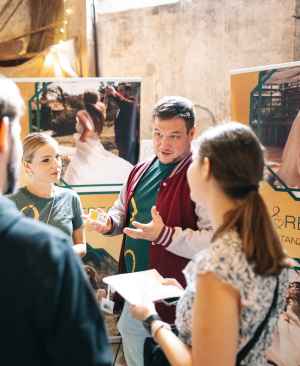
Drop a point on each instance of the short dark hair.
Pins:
(126, 86)
(90, 97)
(175, 106)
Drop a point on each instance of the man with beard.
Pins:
(48, 313)
(162, 227)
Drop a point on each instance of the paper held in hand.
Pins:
(139, 287)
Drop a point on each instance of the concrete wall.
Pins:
(190, 47)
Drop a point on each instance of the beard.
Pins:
(12, 170)
(12, 174)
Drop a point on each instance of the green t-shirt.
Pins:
(62, 211)
(136, 250)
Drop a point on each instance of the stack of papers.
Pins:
(141, 287)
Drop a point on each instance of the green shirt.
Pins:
(137, 250)
(62, 211)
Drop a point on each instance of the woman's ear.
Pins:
(206, 167)
(27, 167)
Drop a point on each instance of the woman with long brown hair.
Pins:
(235, 288)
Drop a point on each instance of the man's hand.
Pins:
(102, 225)
(148, 231)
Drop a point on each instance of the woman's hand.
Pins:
(142, 311)
(80, 249)
(171, 281)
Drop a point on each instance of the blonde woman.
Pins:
(40, 198)
(238, 284)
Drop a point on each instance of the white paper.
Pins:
(141, 287)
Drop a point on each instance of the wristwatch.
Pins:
(148, 321)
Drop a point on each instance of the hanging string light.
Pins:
(63, 29)
(68, 11)
(56, 61)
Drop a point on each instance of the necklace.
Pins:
(50, 211)
(37, 211)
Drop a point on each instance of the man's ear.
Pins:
(4, 130)
(192, 132)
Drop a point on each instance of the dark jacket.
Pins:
(48, 313)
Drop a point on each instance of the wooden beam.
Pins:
(41, 29)
(25, 56)
(11, 15)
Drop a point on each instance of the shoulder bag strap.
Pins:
(251, 343)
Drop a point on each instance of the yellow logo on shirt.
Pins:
(130, 253)
(31, 211)
(134, 210)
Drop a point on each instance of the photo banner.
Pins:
(96, 122)
(267, 98)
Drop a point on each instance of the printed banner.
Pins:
(268, 100)
(96, 122)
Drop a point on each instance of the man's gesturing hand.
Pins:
(149, 231)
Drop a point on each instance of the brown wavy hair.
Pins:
(90, 100)
(237, 164)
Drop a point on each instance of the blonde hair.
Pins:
(33, 142)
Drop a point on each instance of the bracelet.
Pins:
(147, 323)
(156, 328)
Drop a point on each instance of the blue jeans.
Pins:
(133, 337)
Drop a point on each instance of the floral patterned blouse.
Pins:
(226, 259)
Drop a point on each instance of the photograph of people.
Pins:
(285, 346)
(41, 198)
(275, 118)
(289, 171)
(238, 284)
(96, 124)
(91, 162)
(126, 122)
